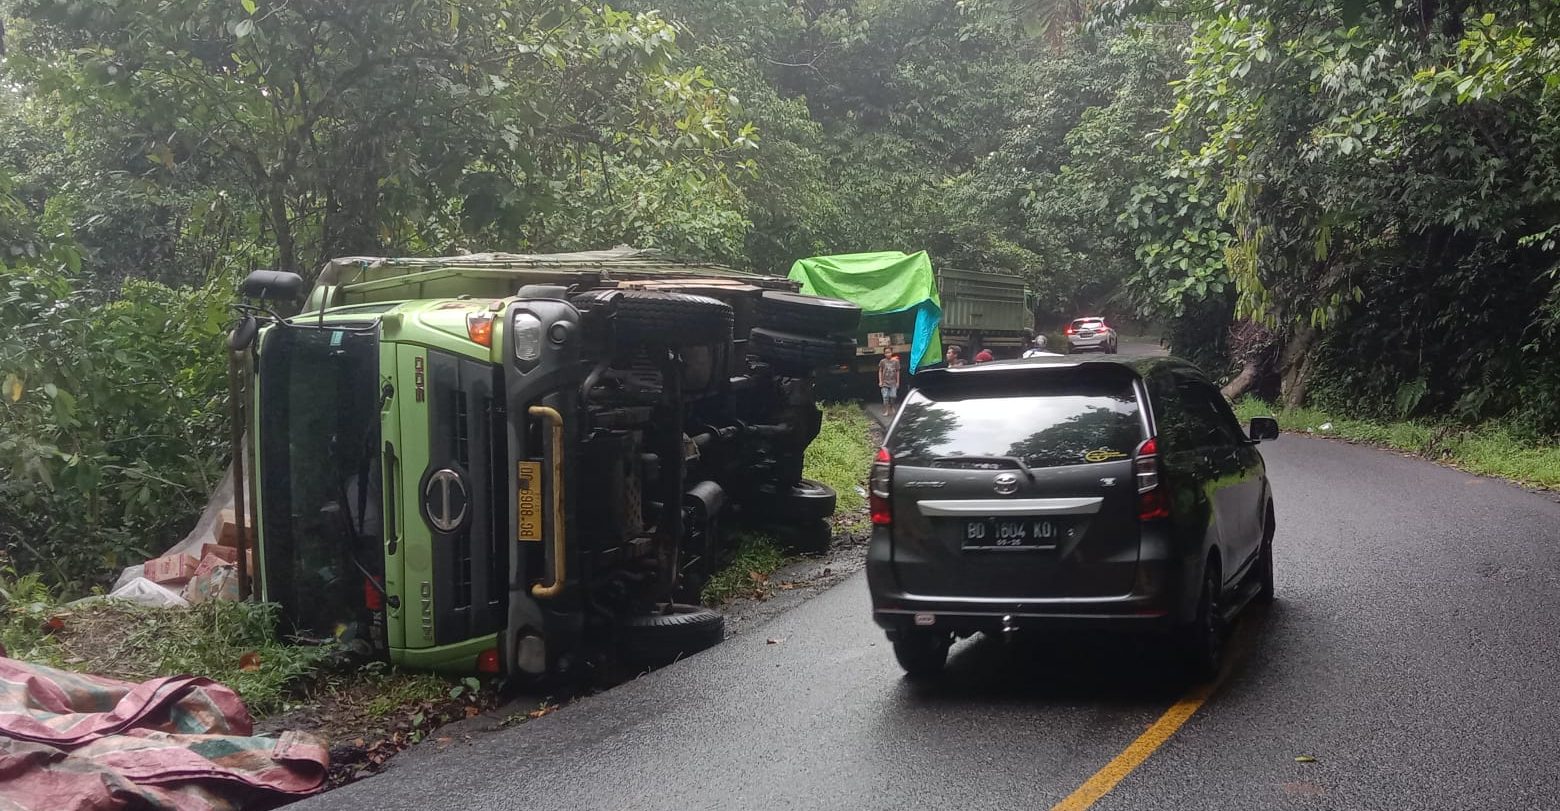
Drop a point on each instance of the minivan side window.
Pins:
(1205, 406)
(1187, 414)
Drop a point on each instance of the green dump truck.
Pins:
(985, 310)
(915, 310)
(524, 464)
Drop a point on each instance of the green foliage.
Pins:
(357, 127)
(112, 420)
(1390, 180)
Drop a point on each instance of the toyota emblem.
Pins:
(445, 500)
(1006, 484)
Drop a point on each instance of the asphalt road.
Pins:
(1412, 654)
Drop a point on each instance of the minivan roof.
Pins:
(1139, 365)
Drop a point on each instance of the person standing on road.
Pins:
(951, 357)
(983, 356)
(888, 381)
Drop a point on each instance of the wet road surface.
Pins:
(1412, 654)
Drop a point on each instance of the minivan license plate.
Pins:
(1011, 533)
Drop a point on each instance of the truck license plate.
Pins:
(530, 501)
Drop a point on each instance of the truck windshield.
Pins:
(319, 474)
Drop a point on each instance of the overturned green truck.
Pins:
(525, 464)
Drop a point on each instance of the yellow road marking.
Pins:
(1138, 751)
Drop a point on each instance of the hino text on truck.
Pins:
(524, 465)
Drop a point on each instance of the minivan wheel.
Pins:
(922, 653)
(1265, 592)
(1203, 642)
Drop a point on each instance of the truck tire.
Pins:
(809, 537)
(804, 501)
(800, 354)
(675, 632)
(662, 319)
(807, 315)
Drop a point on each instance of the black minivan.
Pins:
(1111, 493)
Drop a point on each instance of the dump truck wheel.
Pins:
(807, 315)
(674, 632)
(662, 319)
(806, 500)
(790, 352)
(811, 537)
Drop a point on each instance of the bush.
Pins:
(112, 421)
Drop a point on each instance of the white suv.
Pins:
(1091, 333)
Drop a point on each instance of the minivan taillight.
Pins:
(879, 487)
(1153, 504)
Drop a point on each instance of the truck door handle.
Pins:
(555, 504)
(392, 485)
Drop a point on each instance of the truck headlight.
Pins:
(526, 335)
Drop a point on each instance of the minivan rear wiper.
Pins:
(1017, 462)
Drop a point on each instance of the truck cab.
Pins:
(522, 464)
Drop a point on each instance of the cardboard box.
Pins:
(174, 568)
(227, 531)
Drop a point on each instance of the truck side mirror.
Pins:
(1263, 429)
(243, 333)
(271, 285)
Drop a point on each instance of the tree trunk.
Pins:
(1243, 381)
(281, 226)
(1295, 365)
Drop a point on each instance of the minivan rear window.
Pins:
(1045, 425)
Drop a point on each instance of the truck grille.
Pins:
(467, 434)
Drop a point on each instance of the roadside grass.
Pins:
(840, 457)
(1488, 449)
(756, 558)
(232, 643)
(235, 644)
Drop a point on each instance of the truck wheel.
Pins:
(805, 500)
(811, 537)
(662, 319)
(797, 354)
(676, 631)
(807, 315)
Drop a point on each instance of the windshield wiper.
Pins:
(1014, 460)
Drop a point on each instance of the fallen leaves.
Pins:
(543, 709)
(775, 640)
(249, 662)
(1305, 759)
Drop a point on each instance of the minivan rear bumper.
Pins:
(1160, 599)
(1128, 616)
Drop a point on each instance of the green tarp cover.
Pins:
(881, 283)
